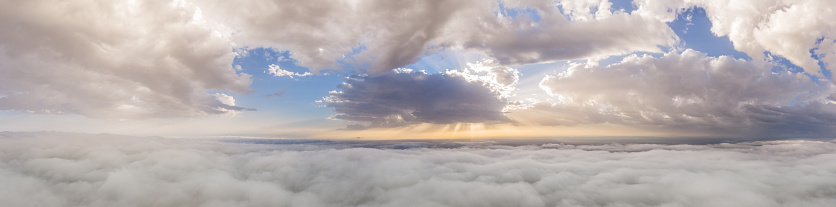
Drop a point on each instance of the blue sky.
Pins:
(566, 68)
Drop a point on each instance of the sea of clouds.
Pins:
(65, 169)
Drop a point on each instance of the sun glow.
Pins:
(489, 131)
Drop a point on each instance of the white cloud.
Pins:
(499, 79)
(51, 169)
(686, 89)
(113, 59)
(790, 28)
(141, 59)
(276, 71)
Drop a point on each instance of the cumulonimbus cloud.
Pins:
(62, 169)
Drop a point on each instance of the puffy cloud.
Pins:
(405, 97)
(107, 170)
(383, 35)
(826, 52)
(685, 89)
(277, 71)
(498, 78)
(140, 59)
(114, 59)
(790, 29)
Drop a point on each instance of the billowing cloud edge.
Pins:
(687, 91)
(475, 94)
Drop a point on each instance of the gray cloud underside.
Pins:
(106, 170)
(403, 98)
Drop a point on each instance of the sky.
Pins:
(622, 103)
(377, 69)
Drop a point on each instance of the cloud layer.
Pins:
(49, 169)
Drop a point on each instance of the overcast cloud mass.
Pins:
(61, 169)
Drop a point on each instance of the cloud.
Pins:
(685, 89)
(583, 29)
(276, 71)
(405, 97)
(790, 29)
(382, 35)
(114, 59)
(59, 169)
(127, 59)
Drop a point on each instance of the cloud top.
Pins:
(108, 170)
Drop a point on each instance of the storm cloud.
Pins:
(62, 169)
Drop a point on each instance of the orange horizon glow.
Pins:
(493, 131)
